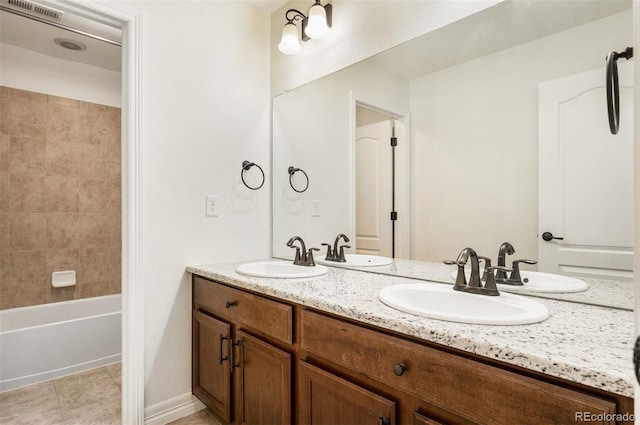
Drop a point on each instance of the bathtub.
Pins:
(43, 342)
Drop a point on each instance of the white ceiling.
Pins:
(504, 25)
(39, 37)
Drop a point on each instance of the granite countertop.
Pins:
(602, 292)
(582, 343)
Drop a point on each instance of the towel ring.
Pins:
(292, 171)
(246, 166)
(613, 88)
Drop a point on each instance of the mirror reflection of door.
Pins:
(585, 178)
(375, 233)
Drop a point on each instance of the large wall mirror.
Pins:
(502, 135)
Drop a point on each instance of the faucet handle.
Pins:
(515, 277)
(340, 256)
(487, 264)
(310, 261)
(490, 284)
(461, 279)
(330, 254)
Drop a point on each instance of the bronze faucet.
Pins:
(304, 258)
(337, 253)
(475, 283)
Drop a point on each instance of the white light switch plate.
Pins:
(213, 206)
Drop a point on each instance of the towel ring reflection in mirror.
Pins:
(292, 171)
(246, 166)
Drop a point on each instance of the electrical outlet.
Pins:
(213, 206)
(315, 208)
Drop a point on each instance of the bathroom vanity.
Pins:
(324, 350)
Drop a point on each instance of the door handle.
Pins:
(636, 359)
(547, 236)
(222, 338)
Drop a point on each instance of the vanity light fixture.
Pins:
(315, 26)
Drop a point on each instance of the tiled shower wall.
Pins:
(59, 197)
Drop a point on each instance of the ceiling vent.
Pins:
(52, 14)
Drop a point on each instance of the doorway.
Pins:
(381, 176)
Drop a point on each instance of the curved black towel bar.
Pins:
(246, 166)
(613, 88)
(292, 171)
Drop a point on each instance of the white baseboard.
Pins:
(172, 409)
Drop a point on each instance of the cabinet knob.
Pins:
(229, 304)
(399, 368)
(384, 421)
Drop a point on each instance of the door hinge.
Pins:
(394, 141)
(394, 215)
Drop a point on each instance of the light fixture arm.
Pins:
(296, 17)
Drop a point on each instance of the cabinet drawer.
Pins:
(470, 389)
(260, 314)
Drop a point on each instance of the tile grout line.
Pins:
(55, 387)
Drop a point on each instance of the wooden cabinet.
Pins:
(237, 371)
(263, 382)
(326, 399)
(211, 377)
(249, 350)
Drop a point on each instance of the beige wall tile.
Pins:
(27, 194)
(94, 229)
(5, 267)
(4, 193)
(62, 231)
(4, 116)
(5, 233)
(18, 94)
(59, 197)
(56, 295)
(63, 194)
(27, 117)
(63, 123)
(95, 196)
(28, 232)
(4, 153)
(95, 265)
(27, 156)
(29, 269)
(95, 289)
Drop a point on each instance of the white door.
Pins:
(585, 177)
(373, 189)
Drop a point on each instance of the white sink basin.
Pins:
(539, 282)
(358, 260)
(439, 301)
(280, 270)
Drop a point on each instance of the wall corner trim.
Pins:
(172, 409)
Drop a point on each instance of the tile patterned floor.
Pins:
(87, 398)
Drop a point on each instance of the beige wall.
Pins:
(59, 197)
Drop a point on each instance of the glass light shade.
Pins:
(290, 43)
(317, 27)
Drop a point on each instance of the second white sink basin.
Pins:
(539, 282)
(439, 301)
(358, 260)
(280, 270)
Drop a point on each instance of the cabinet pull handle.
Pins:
(384, 421)
(399, 368)
(222, 338)
(229, 304)
(233, 365)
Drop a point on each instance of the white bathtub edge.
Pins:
(23, 381)
(173, 409)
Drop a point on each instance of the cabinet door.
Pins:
(211, 370)
(263, 382)
(326, 399)
(419, 419)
